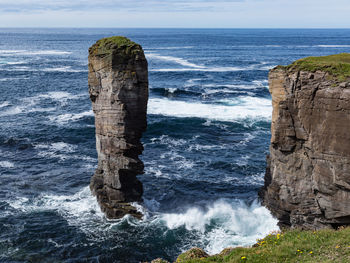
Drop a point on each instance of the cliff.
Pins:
(307, 182)
(118, 88)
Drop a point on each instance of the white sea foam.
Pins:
(69, 117)
(221, 224)
(169, 48)
(229, 91)
(151, 169)
(57, 146)
(4, 104)
(180, 61)
(233, 110)
(57, 95)
(333, 46)
(236, 224)
(62, 151)
(6, 164)
(171, 90)
(58, 150)
(12, 111)
(8, 79)
(191, 82)
(166, 140)
(63, 69)
(178, 160)
(80, 209)
(243, 160)
(28, 104)
(248, 137)
(61, 96)
(24, 109)
(194, 67)
(12, 62)
(206, 69)
(33, 53)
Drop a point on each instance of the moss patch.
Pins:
(338, 66)
(193, 253)
(291, 246)
(107, 46)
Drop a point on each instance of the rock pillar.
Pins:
(118, 88)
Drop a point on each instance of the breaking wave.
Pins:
(217, 226)
(229, 110)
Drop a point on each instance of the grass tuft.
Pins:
(107, 46)
(291, 246)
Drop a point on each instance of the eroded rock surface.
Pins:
(307, 183)
(118, 88)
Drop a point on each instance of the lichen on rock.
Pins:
(118, 88)
(307, 183)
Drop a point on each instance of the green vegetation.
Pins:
(289, 246)
(193, 253)
(107, 45)
(338, 66)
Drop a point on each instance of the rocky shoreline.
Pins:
(307, 183)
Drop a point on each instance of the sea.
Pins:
(208, 135)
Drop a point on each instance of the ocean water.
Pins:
(208, 134)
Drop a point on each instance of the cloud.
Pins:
(8, 6)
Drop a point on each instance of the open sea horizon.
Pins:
(209, 116)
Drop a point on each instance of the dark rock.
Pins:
(307, 182)
(118, 88)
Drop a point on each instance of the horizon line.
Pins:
(77, 27)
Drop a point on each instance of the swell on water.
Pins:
(218, 225)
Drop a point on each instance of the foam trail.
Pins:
(331, 46)
(33, 53)
(233, 110)
(62, 96)
(205, 69)
(4, 104)
(223, 224)
(180, 61)
(6, 164)
(62, 69)
(65, 118)
(169, 48)
(79, 209)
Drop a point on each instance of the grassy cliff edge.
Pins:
(337, 66)
(290, 246)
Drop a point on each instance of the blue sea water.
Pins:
(208, 134)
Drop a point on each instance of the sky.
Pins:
(176, 13)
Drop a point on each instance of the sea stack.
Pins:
(118, 88)
(307, 183)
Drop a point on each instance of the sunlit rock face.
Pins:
(307, 183)
(118, 88)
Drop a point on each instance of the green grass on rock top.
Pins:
(337, 66)
(106, 46)
(291, 246)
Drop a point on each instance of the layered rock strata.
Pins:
(118, 88)
(307, 182)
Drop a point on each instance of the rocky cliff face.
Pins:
(307, 183)
(118, 87)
